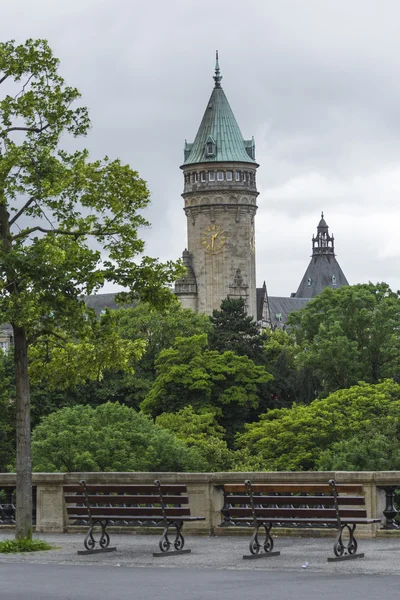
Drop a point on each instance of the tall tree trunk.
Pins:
(23, 435)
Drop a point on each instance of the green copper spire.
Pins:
(217, 77)
(219, 138)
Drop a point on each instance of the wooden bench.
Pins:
(331, 505)
(145, 505)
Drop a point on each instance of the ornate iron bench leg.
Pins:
(178, 543)
(90, 541)
(345, 550)
(255, 545)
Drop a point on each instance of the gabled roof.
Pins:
(279, 308)
(219, 124)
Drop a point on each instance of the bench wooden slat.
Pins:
(293, 500)
(151, 517)
(342, 488)
(357, 521)
(128, 511)
(126, 499)
(126, 488)
(294, 512)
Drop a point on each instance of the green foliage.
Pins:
(200, 430)
(189, 373)
(350, 334)
(158, 330)
(111, 437)
(23, 545)
(292, 439)
(7, 410)
(368, 452)
(100, 349)
(68, 225)
(233, 330)
(280, 352)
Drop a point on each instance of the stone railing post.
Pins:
(390, 510)
(50, 509)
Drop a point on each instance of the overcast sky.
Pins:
(317, 82)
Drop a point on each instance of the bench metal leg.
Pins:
(343, 550)
(178, 543)
(255, 545)
(90, 542)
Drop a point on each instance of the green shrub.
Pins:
(23, 545)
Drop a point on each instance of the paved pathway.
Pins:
(215, 569)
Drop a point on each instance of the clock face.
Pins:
(213, 238)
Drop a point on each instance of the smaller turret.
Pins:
(323, 270)
(186, 286)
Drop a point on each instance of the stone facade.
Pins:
(220, 205)
(224, 265)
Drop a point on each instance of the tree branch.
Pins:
(43, 230)
(76, 234)
(32, 129)
(49, 332)
(19, 213)
(4, 78)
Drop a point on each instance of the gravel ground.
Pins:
(225, 553)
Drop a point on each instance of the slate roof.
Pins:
(322, 272)
(100, 302)
(220, 126)
(280, 308)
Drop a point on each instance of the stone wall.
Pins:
(205, 493)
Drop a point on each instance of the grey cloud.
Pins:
(315, 82)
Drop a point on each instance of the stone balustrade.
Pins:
(206, 496)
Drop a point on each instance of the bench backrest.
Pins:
(301, 501)
(132, 502)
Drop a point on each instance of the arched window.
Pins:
(211, 147)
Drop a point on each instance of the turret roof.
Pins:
(323, 270)
(220, 128)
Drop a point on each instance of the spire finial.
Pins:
(322, 214)
(217, 77)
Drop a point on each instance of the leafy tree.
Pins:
(189, 373)
(7, 411)
(350, 334)
(200, 430)
(235, 331)
(280, 353)
(293, 439)
(158, 329)
(57, 212)
(373, 451)
(99, 349)
(111, 437)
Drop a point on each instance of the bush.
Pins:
(110, 437)
(23, 545)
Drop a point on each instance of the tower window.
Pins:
(203, 176)
(243, 176)
(194, 177)
(237, 175)
(210, 149)
(229, 175)
(211, 176)
(220, 175)
(333, 280)
(309, 281)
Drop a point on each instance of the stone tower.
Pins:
(323, 270)
(220, 197)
